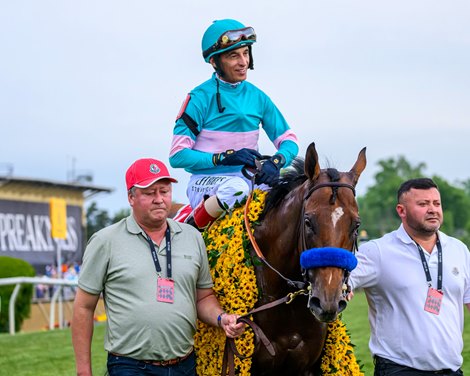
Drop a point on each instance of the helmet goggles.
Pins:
(231, 37)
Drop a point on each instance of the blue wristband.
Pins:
(219, 319)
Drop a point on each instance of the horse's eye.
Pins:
(308, 224)
(356, 226)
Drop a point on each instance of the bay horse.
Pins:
(309, 208)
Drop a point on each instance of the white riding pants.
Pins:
(228, 188)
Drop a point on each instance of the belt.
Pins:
(164, 363)
(446, 371)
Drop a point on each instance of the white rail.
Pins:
(18, 281)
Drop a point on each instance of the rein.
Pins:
(230, 349)
(295, 284)
(302, 286)
(334, 186)
(259, 253)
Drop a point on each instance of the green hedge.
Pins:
(13, 267)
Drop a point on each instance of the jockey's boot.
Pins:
(205, 213)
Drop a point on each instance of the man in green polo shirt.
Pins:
(155, 280)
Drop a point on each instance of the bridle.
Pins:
(304, 288)
(334, 185)
(299, 284)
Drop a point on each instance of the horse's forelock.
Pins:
(333, 174)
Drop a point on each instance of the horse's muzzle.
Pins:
(326, 312)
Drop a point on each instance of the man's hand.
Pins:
(242, 157)
(228, 322)
(270, 171)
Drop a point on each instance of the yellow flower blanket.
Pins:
(232, 269)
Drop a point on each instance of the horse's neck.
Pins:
(278, 237)
(280, 225)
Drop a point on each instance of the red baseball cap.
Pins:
(146, 171)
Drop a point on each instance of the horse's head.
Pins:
(330, 219)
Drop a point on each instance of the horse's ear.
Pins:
(360, 165)
(311, 167)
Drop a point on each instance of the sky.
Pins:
(88, 87)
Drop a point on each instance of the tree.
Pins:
(466, 186)
(96, 218)
(377, 206)
(456, 205)
(121, 214)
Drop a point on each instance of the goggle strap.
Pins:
(240, 35)
(213, 48)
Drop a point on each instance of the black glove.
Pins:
(270, 171)
(242, 157)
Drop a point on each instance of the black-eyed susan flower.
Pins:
(232, 269)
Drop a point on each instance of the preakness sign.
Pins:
(25, 233)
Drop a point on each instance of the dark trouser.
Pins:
(124, 366)
(385, 367)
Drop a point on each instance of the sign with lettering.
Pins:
(25, 233)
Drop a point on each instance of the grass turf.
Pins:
(355, 317)
(47, 353)
(50, 352)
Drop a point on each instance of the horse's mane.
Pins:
(290, 179)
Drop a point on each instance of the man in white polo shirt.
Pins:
(154, 276)
(417, 281)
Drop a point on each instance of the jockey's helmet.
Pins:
(226, 35)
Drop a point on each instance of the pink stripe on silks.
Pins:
(217, 142)
(287, 135)
(179, 143)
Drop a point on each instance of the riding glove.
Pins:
(270, 171)
(242, 157)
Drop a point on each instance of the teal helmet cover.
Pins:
(213, 33)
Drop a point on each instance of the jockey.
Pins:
(217, 129)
